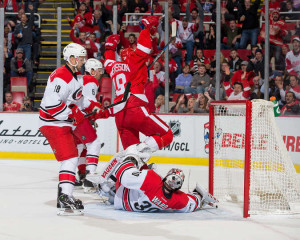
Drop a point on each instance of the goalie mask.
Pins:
(75, 50)
(174, 179)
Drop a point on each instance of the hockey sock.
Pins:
(91, 163)
(158, 142)
(67, 175)
(82, 162)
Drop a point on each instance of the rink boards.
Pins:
(20, 138)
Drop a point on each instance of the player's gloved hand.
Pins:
(76, 115)
(149, 22)
(102, 114)
(112, 42)
(94, 107)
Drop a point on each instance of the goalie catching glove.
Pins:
(112, 42)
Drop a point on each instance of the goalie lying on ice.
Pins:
(145, 191)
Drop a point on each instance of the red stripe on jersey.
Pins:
(66, 177)
(89, 79)
(195, 199)
(52, 110)
(63, 73)
(123, 168)
(91, 160)
(45, 115)
(126, 201)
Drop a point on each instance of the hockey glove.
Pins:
(149, 22)
(102, 114)
(112, 42)
(76, 115)
(94, 107)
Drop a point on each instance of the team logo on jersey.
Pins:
(175, 127)
(77, 94)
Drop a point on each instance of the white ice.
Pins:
(28, 191)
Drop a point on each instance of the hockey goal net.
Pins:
(248, 161)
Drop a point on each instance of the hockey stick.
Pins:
(124, 99)
(151, 6)
(167, 45)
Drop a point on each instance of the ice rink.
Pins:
(28, 190)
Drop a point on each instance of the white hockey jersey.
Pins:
(185, 34)
(292, 63)
(63, 88)
(142, 191)
(90, 87)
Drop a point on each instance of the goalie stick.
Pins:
(126, 92)
(174, 26)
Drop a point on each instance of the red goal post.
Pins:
(248, 161)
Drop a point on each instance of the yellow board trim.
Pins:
(105, 158)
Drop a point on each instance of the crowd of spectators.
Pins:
(192, 73)
(21, 40)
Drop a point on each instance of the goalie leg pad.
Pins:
(85, 132)
(206, 197)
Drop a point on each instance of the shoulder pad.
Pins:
(62, 73)
(89, 79)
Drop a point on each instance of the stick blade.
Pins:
(173, 27)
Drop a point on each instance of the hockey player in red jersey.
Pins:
(88, 160)
(145, 191)
(133, 116)
(60, 107)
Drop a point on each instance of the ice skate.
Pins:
(68, 205)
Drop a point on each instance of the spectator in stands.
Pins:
(201, 104)
(292, 59)
(181, 102)
(235, 62)
(277, 32)
(185, 33)
(174, 9)
(190, 106)
(10, 6)
(284, 50)
(23, 33)
(160, 75)
(135, 19)
(292, 87)
(132, 4)
(199, 57)
(17, 18)
(273, 5)
(183, 80)
(122, 9)
(292, 106)
(233, 34)
(290, 9)
(10, 105)
(253, 50)
(232, 6)
(197, 13)
(200, 81)
(84, 20)
(160, 104)
(89, 45)
(244, 75)
(106, 102)
(208, 6)
(131, 42)
(6, 70)
(255, 89)
(20, 66)
(248, 17)
(98, 27)
(172, 69)
(93, 38)
(150, 89)
(34, 3)
(210, 40)
(257, 64)
(9, 40)
(27, 105)
(239, 91)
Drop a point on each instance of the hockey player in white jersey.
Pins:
(61, 120)
(88, 160)
(145, 191)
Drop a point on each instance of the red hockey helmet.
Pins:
(125, 52)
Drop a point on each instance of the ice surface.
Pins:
(28, 191)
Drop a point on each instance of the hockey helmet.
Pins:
(174, 179)
(125, 52)
(74, 49)
(93, 63)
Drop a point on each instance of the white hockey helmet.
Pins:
(92, 63)
(174, 178)
(74, 49)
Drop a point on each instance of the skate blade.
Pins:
(70, 212)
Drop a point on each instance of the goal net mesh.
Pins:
(274, 185)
